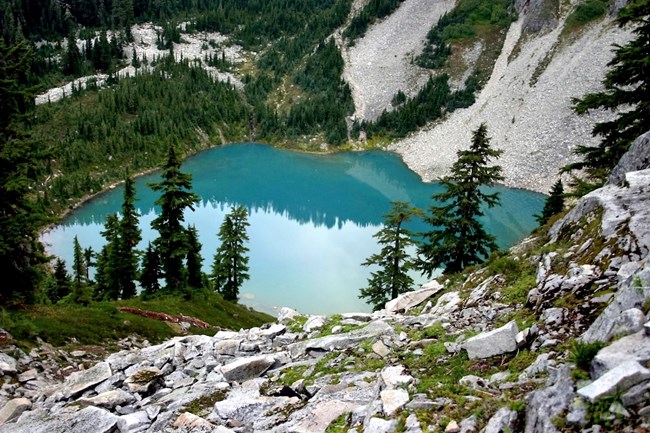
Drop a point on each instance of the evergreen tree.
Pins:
(194, 259)
(72, 61)
(79, 264)
(230, 268)
(129, 235)
(458, 238)
(88, 257)
(108, 278)
(172, 242)
(21, 253)
(627, 92)
(62, 280)
(554, 203)
(151, 272)
(394, 262)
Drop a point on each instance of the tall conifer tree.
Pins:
(151, 272)
(230, 268)
(394, 262)
(458, 238)
(129, 235)
(554, 203)
(194, 259)
(627, 93)
(21, 253)
(172, 242)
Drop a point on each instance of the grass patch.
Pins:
(340, 425)
(102, 322)
(583, 353)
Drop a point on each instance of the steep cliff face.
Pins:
(526, 103)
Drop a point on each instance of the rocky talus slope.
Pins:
(504, 349)
(526, 102)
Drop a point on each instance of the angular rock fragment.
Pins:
(80, 381)
(618, 379)
(408, 300)
(247, 368)
(496, 342)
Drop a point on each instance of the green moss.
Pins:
(340, 425)
(203, 405)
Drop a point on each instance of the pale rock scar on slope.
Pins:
(379, 64)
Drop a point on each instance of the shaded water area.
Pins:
(312, 219)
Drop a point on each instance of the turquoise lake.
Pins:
(312, 219)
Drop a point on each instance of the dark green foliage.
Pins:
(627, 93)
(463, 22)
(430, 103)
(151, 272)
(72, 61)
(172, 242)
(393, 260)
(62, 282)
(330, 99)
(107, 275)
(194, 259)
(129, 236)
(230, 267)
(79, 268)
(21, 253)
(458, 239)
(371, 12)
(586, 12)
(583, 353)
(553, 205)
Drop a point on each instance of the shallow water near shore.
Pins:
(312, 219)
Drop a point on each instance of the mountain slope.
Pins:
(526, 103)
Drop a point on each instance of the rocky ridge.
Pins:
(554, 336)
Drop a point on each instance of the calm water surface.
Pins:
(312, 219)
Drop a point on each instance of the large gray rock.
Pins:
(322, 416)
(227, 347)
(502, 422)
(635, 347)
(619, 379)
(408, 300)
(143, 379)
(8, 365)
(134, 422)
(543, 405)
(636, 158)
(108, 399)
(393, 377)
(496, 342)
(446, 304)
(80, 381)
(247, 368)
(90, 419)
(606, 324)
(393, 399)
(341, 341)
(13, 409)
